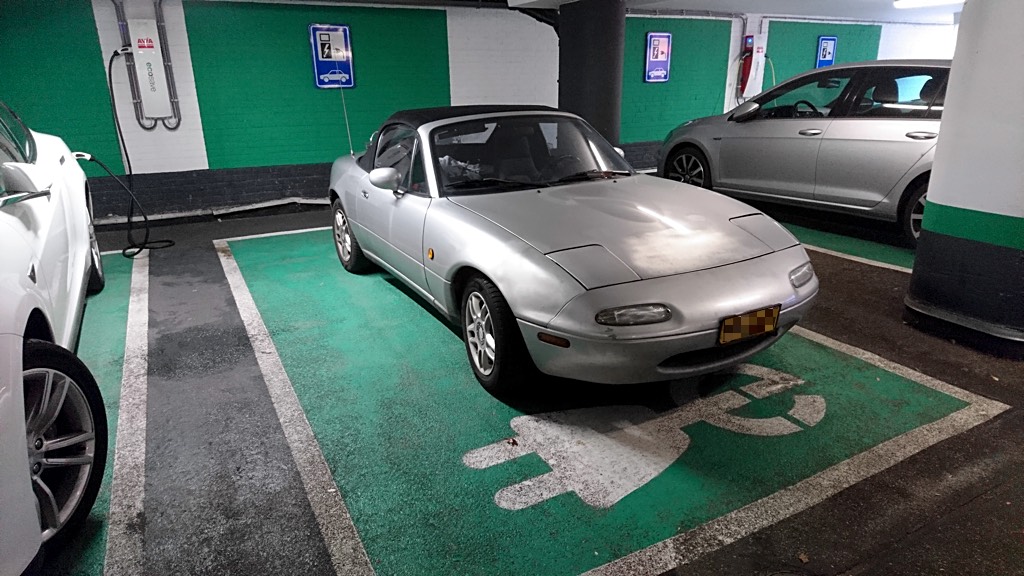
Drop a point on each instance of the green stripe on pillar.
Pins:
(997, 229)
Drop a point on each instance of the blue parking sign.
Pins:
(332, 56)
(826, 51)
(659, 56)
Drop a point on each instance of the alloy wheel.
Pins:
(342, 235)
(61, 438)
(687, 168)
(917, 215)
(480, 333)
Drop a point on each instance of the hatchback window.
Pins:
(8, 151)
(901, 93)
(12, 128)
(817, 96)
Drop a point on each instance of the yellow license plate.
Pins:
(749, 325)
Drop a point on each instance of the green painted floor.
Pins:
(387, 391)
(102, 349)
(876, 251)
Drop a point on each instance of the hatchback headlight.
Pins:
(636, 315)
(801, 275)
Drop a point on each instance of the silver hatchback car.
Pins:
(856, 138)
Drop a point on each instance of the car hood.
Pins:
(652, 226)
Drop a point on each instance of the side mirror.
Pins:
(385, 178)
(744, 112)
(620, 151)
(20, 182)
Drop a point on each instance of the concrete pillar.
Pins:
(591, 42)
(969, 268)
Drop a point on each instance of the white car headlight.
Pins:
(635, 315)
(801, 275)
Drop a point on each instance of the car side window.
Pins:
(16, 135)
(417, 181)
(817, 96)
(8, 151)
(901, 93)
(395, 150)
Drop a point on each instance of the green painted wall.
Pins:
(696, 86)
(254, 77)
(792, 46)
(58, 88)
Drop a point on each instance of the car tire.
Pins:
(80, 420)
(912, 213)
(689, 166)
(494, 344)
(97, 280)
(345, 243)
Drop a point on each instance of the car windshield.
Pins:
(517, 152)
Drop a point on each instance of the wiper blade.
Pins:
(591, 175)
(487, 182)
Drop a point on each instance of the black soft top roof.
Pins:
(421, 116)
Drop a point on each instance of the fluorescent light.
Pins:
(924, 3)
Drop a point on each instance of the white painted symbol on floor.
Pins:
(605, 453)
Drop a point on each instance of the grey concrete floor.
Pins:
(955, 508)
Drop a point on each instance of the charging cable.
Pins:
(135, 246)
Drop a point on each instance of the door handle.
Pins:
(921, 135)
(810, 132)
(366, 194)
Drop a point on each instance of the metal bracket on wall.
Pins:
(173, 121)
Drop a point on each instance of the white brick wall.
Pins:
(160, 150)
(501, 57)
(917, 41)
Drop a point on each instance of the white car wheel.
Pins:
(66, 433)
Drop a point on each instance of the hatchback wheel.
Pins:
(689, 166)
(912, 215)
(66, 432)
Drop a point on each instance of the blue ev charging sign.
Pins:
(659, 55)
(826, 51)
(332, 56)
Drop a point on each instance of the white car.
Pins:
(334, 75)
(49, 402)
(658, 73)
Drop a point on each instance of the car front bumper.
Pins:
(688, 345)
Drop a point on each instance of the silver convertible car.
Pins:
(531, 232)
(856, 138)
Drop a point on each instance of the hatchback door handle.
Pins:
(810, 132)
(921, 135)
(366, 194)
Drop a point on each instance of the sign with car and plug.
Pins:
(659, 56)
(826, 51)
(332, 56)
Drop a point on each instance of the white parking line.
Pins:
(688, 546)
(269, 234)
(858, 259)
(339, 533)
(125, 533)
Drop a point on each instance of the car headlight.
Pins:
(636, 315)
(801, 275)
